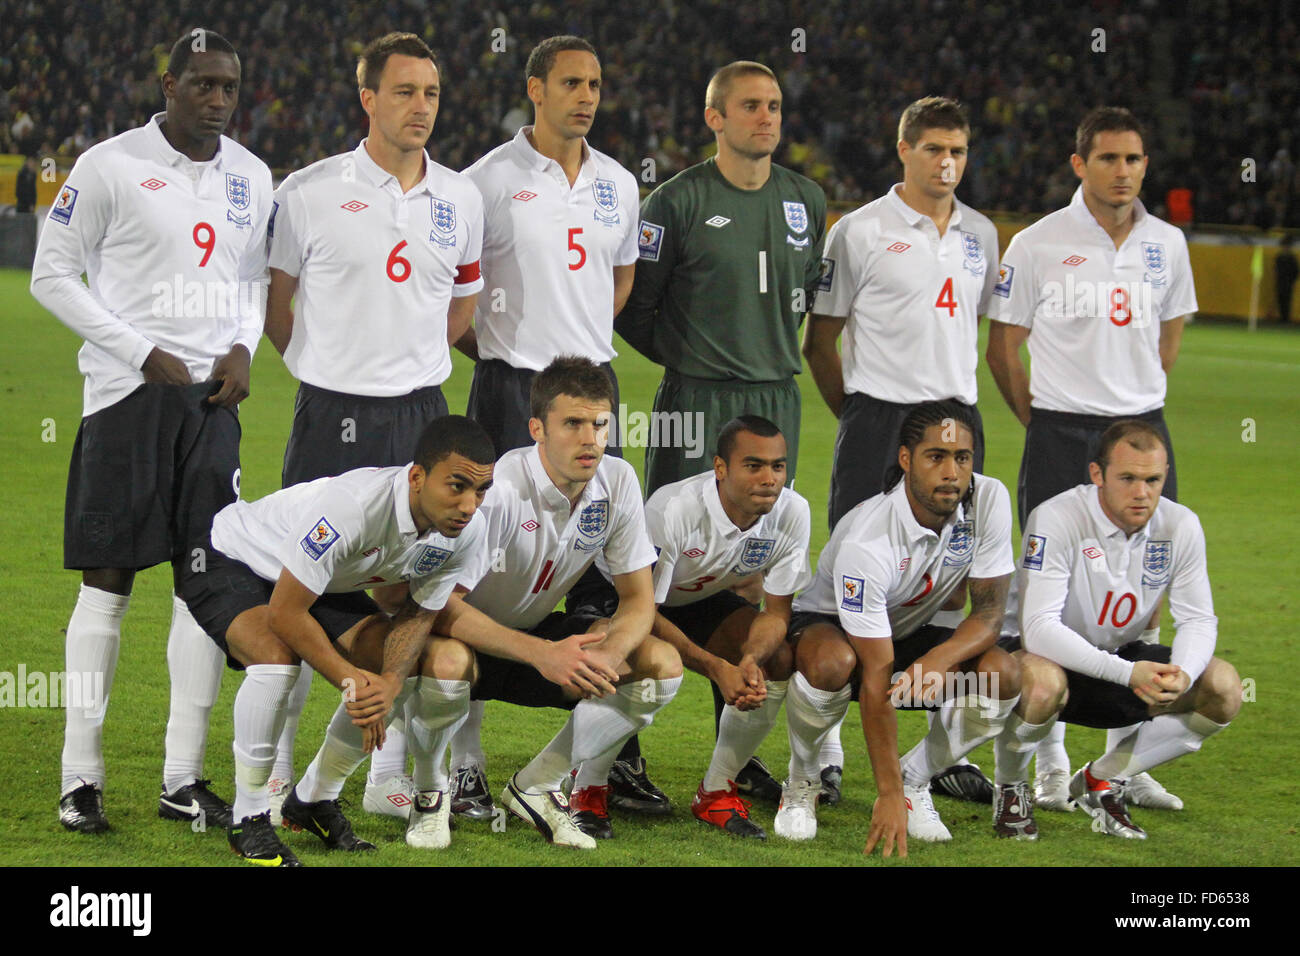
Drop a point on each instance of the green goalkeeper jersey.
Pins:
(726, 275)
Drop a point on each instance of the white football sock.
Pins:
(602, 726)
(437, 710)
(810, 714)
(1014, 748)
(259, 718)
(195, 666)
(1051, 753)
(90, 651)
(391, 760)
(293, 710)
(1117, 735)
(339, 755)
(961, 725)
(832, 750)
(739, 735)
(1156, 741)
(467, 744)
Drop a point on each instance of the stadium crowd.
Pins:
(73, 75)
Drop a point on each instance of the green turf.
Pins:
(1240, 790)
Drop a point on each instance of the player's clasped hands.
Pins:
(916, 687)
(1158, 684)
(741, 685)
(368, 702)
(888, 826)
(573, 663)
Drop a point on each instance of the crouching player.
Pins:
(713, 531)
(284, 582)
(891, 563)
(556, 505)
(1097, 561)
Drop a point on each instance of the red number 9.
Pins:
(206, 244)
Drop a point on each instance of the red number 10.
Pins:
(1114, 611)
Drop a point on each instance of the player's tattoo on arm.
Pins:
(988, 599)
(411, 628)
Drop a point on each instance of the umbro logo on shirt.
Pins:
(717, 222)
(524, 195)
(530, 525)
(899, 247)
(154, 184)
(694, 553)
(354, 205)
(1074, 261)
(1092, 552)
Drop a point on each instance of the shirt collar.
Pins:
(379, 177)
(170, 154)
(1106, 528)
(402, 502)
(534, 159)
(1079, 209)
(721, 520)
(551, 496)
(917, 219)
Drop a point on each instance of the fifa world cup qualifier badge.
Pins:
(851, 593)
(319, 539)
(1035, 547)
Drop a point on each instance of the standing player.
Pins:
(374, 269)
(1100, 291)
(284, 583)
(555, 506)
(906, 279)
(730, 255)
(160, 217)
(1098, 560)
(559, 254)
(712, 532)
(862, 628)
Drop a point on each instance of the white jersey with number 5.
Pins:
(702, 552)
(539, 545)
(912, 299)
(1087, 589)
(549, 252)
(884, 574)
(377, 270)
(174, 252)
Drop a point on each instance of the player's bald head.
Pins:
(719, 88)
(197, 40)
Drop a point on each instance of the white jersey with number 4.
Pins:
(702, 552)
(349, 533)
(1094, 311)
(539, 545)
(549, 251)
(885, 575)
(1087, 589)
(377, 270)
(912, 299)
(174, 252)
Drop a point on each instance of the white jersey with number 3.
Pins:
(377, 270)
(539, 545)
(1086, 588)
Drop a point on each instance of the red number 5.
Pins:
(573, 246)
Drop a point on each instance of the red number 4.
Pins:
(946, 299)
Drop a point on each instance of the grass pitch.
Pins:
(1233, 408)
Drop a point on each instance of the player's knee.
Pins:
(1043, 688)
(1004, 675)
(1220, 692)
(446, 658)
(781, 664)
(657, 660)
(826, 664)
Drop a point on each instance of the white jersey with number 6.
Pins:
(1087, 589)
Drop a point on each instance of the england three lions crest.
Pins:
(757, 552)
(1155, 563)
(973, 253)
(237, 191)
(443, 214)
(960, 545)
(1153, 256)
(430, 560)
(796, 217)
(593, 519)
(606, 195)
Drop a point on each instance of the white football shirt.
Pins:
(1094, 311)
(174, 252)
(911, 299)
(702, 552)
(549, 251)
(349, 533)
(1086, 588)
(539, 546)
(884, 574)
(377, 270)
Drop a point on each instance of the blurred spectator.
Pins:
(1285, 271)
(25, 187)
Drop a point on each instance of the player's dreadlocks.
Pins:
(911, 432)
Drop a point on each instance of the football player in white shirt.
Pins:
(555, 505)
(905, 279)
(284, 583)
(1098, 559)
(374, 262)
(168, 222)
(559, 255)
(890, 564)
(712, 532)
(1100, 291)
